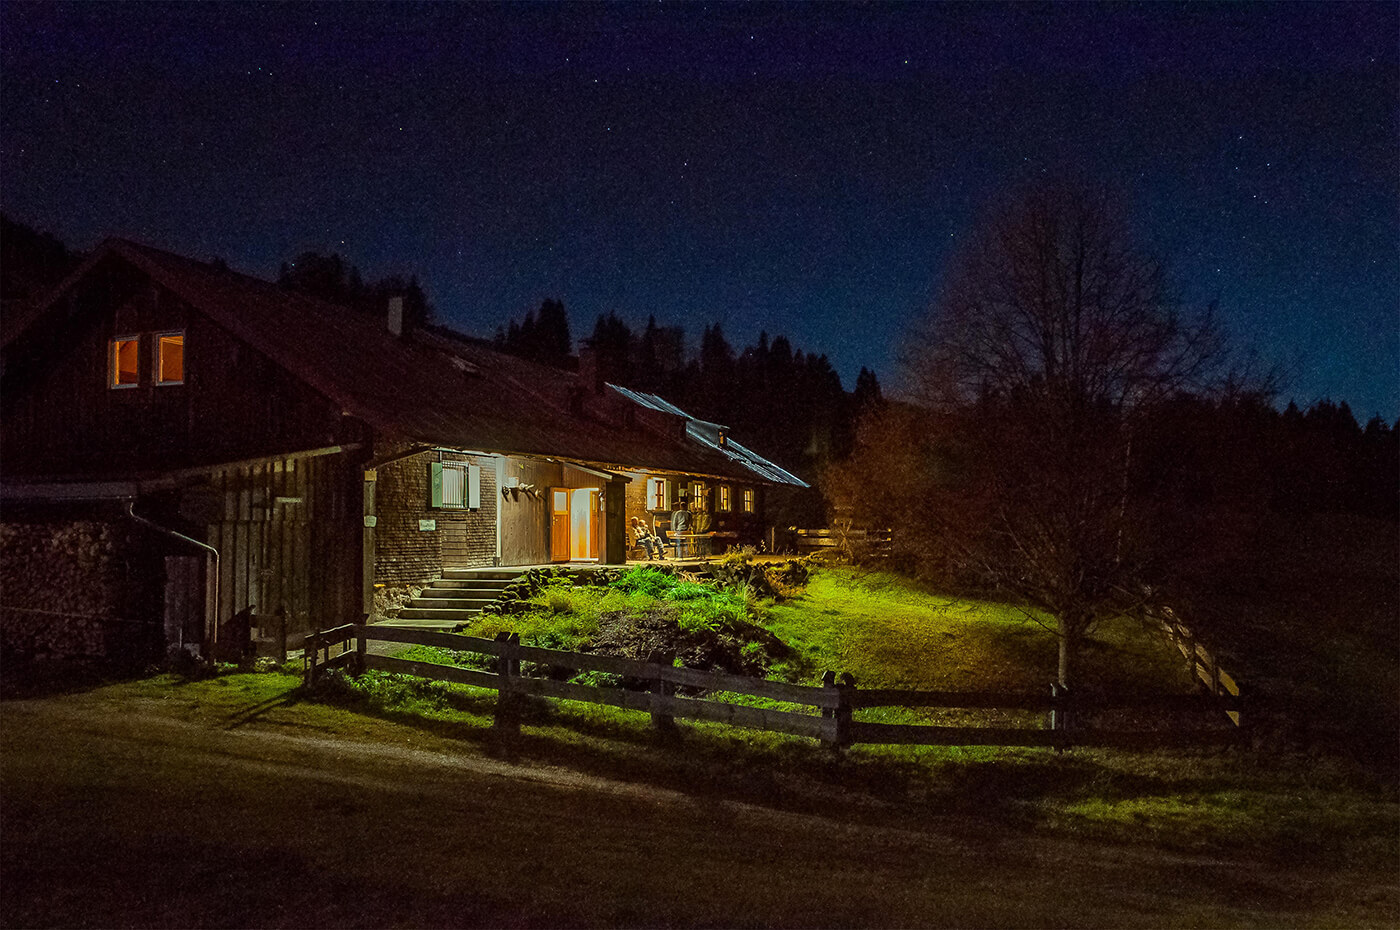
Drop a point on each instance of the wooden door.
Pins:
(559, 525)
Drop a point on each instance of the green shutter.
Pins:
(474, 487)
(434, 484)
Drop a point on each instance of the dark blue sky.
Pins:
(807, 170)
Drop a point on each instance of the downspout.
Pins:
(212, 608)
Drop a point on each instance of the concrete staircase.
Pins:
(455, 598)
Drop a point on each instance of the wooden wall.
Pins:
(525, 517)
(288, 539)
(60, 416)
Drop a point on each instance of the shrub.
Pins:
(557, 600)
(653, 582)
(689, 591)
(780, 580)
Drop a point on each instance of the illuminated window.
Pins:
(748, 500)
(724, 502)
(658, 494)
(455, 486)
(123, 361)
(697, 495)
(454, 481)
(170, 358)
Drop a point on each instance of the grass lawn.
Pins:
(1270, 837)
(890, 632)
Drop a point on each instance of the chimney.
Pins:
(396, 315)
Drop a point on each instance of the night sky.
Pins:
(807, 170)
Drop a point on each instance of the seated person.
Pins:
(645, 539)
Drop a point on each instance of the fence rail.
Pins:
(1201, 664)
(827, 713)
(840, 539)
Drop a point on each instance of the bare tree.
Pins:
(1054, 337)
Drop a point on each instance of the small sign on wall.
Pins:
(371, 521)
(427, 525)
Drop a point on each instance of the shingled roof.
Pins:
(429, 386)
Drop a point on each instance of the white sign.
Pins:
(371, 521)
(426, 525)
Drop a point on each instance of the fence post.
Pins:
(507, 667)
(308, 652)
(282, 634)
(845, 693)
(829, 713)
(361, 644)
(663, 688)
(1059, 715)
(1190, 654)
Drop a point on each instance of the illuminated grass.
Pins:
(891, 632)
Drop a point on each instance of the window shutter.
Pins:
(434, 484)
(474, 487)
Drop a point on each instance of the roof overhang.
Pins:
(76, 489)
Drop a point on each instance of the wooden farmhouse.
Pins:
(185, 448)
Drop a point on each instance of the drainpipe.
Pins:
(212, 608)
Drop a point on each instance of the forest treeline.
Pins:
(786, 404)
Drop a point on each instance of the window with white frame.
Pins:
(724, 503)
(748, 500)
(658, 494)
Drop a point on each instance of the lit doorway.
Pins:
(575, 524)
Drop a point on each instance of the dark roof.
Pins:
(432, 386)
(714, 435)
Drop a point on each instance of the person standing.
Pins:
(680, 522)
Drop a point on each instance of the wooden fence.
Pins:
(827, 714)
(1201, 663)
(840, 539)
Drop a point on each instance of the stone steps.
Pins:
(470, 584)
(457, 615)
(458, 596)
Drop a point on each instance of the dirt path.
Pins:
(113, 816)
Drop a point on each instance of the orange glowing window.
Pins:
(170, 358)
(724, 501)
(697, 495)
(124, 359)
(748, 500)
